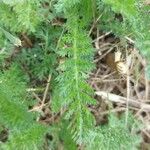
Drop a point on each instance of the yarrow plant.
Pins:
(53, 39)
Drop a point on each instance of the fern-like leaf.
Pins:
(72, 92)
(30, 139)
(24, 132)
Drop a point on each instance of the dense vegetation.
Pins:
(46, 56)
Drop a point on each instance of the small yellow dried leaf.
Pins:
(122, 68)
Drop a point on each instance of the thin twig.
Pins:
(119, 99)
(113, 111)
(46, 89)
(146, 84)
(130, 40)
(60, 38)
(97, 45)
(36, 96)
(94, 24)
(27, 39)
(128, 91)
(36, 108)
(34, 89)
(98, 59)
(101, 37)
(107, 80)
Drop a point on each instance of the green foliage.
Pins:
(64, 51)
(14, 113)
(29, 139)
(115, 135)
(62, 5)
(42, 55)
(127, 7)
(62, 137)
(22, 16)
(72, 92)
(71, 84)
(14, 80)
